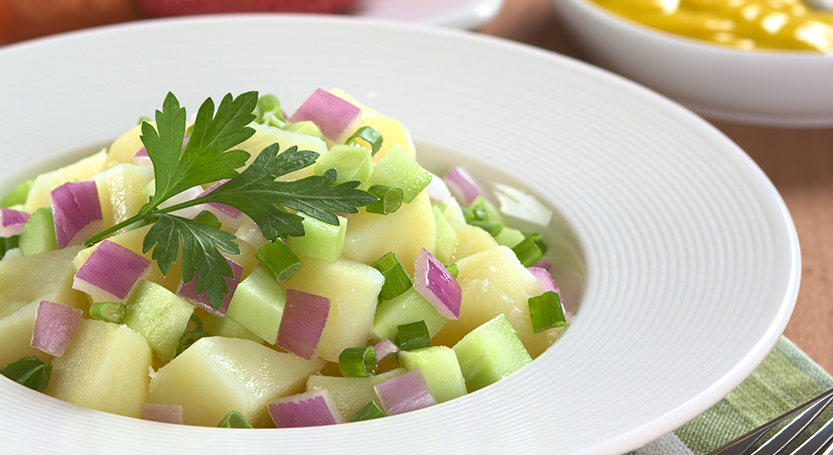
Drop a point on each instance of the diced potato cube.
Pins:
(217, 375)
(353, 289)
(123, 149)
(471, 240)
(351, 394)
(105, 367)
(405, 232)
(120, 191)
(45, 183)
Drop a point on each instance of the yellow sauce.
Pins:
(746, 24)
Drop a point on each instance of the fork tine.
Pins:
(787, 434)
(816, 443)
(741, 444)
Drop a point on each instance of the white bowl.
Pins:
(690, 258)
(761, 87)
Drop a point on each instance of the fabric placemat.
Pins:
(785, 379)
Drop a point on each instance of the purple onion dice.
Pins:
(12, 222)
(55, 323)
(302, 323)
(437, 285)
(308, 409)
(404, 393)
(166, 413)
(189, 291)
(462, 186)
(334, 116)
(111, 272)
(76, 210)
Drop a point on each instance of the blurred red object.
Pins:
(25, 19)
(161, 8)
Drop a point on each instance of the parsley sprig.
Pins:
(209, 157)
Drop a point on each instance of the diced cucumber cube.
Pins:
(350, 161)
(446, 238)
(159, 315)
(509, 237)
(306, 128)
(258, 304)
(321, 240)
(399, 170)
(404, 309)
(490, 353)
(440, 368)
(18, 195)
(38, 234)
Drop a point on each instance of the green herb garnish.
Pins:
(29, 371)
(209, 157)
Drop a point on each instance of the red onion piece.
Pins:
(110, 273)
(404, 393)
(166, 413)
(335, 116)
(544, 264)
(12, 222)
(142, 159)
(462, 186)
(437, 189)
(228, 215)
(189, 291)
(544, 277)
(55, 323)
(308, 409)
(518, 204)
(437, 285)
(302, 323)
(76, 211)
(385, 349)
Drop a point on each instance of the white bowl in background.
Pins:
(760, 87)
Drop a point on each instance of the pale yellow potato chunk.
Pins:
(353, 289)
(495, 282)
(120, 191)
(405, 232)
(123, 149)
(217, 375)
(16, 335)
(393, 132)
(470, 240)
(47, 275)
(105, 367)
(83, 169)
(351, 394)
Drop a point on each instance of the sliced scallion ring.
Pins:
(358, 362)
(369, 411)
(546, 311)
(234, 419)
(390, 199)
(278, 259)
(369, 135)
(108, 311)
(413, 336)
(397, 279)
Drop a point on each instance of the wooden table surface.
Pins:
(799, 163)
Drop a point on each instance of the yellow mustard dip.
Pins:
(747, 24)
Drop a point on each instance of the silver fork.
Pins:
(807, 413)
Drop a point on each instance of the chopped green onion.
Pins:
(538, 240)
(8, 243)
(358, 362)
(191, 337)
(108, 311)
(234, 419)
(269, 109)
(368, 134)
(413, 336)
(369, 411)
(452, 269)
(494, 229)
(482, 210)
(29, 371)
(528, 252)
(546, 311)
(278, 259)
(397, 279)
(390, 199)
(207, 218)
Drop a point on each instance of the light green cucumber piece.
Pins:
(490, 353)
(509, 237)
(446, 238)
(306, 128)
(159, 315)
(482, 210)
(352, 163)
(397, 169)
(320, 240)
(18, 195)
(258, 303)
(38, 235)
(440, 368)
(405, 308)
(227, 327)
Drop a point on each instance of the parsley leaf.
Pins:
(209, 157)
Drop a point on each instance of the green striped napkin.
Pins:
(784, 380)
